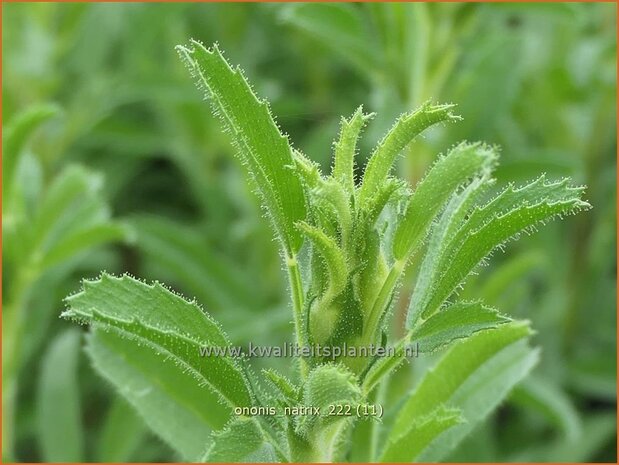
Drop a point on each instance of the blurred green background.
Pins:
(106, 123)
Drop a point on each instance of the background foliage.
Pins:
(100, 121)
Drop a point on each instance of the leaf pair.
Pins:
(467, 383)
(465, 235)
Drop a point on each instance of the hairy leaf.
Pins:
(422, 431)
(471, 245)
(474, 376)
(170, 325)
(442, 233)
(448, 173)
(333, 258)
(345, 148)
(406, 128)
(261, 145)
(15, 136)
(242, 441)
(165, 395)
(329, 385)
(457, 321)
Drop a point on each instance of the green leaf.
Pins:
(333, 258)
(242, 441)
(184, 252)
(166, 396)
(15, 136)
(599, 432)
(475, 375)
(448, 173)
(286, 391)
(478, 237)
(329, 385)
(122, 433)
(73, 217)
(260, 143)
(422, 431)
(345, 148)
(405, 129)
(60, 426)
(513, 197)
(86, 239)
(457, 321)
(511, 270)
(340, 27)
(168, 324)
(551, 401)
(441, 234)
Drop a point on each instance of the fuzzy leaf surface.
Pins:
(405, 129)
(262, 147)
(408, 446)
(474, 376)
(168, 324)
(478, 237)
(242, 441)
(166, 396)
(448, 173)
(345, 148)
(457, 321)
(329, 385)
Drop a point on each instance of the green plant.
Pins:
(345, 245)
(49, 226)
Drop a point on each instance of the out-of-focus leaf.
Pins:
(86, 239)
(60, 426)
(339, 26)
(598, 431)
(72, 217)
(165, 395)
(15, 136)
(540, 394)
(218, 282)
(509, 272)
(123, 431)
(261, 145)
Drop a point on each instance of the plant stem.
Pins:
(296, 288)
